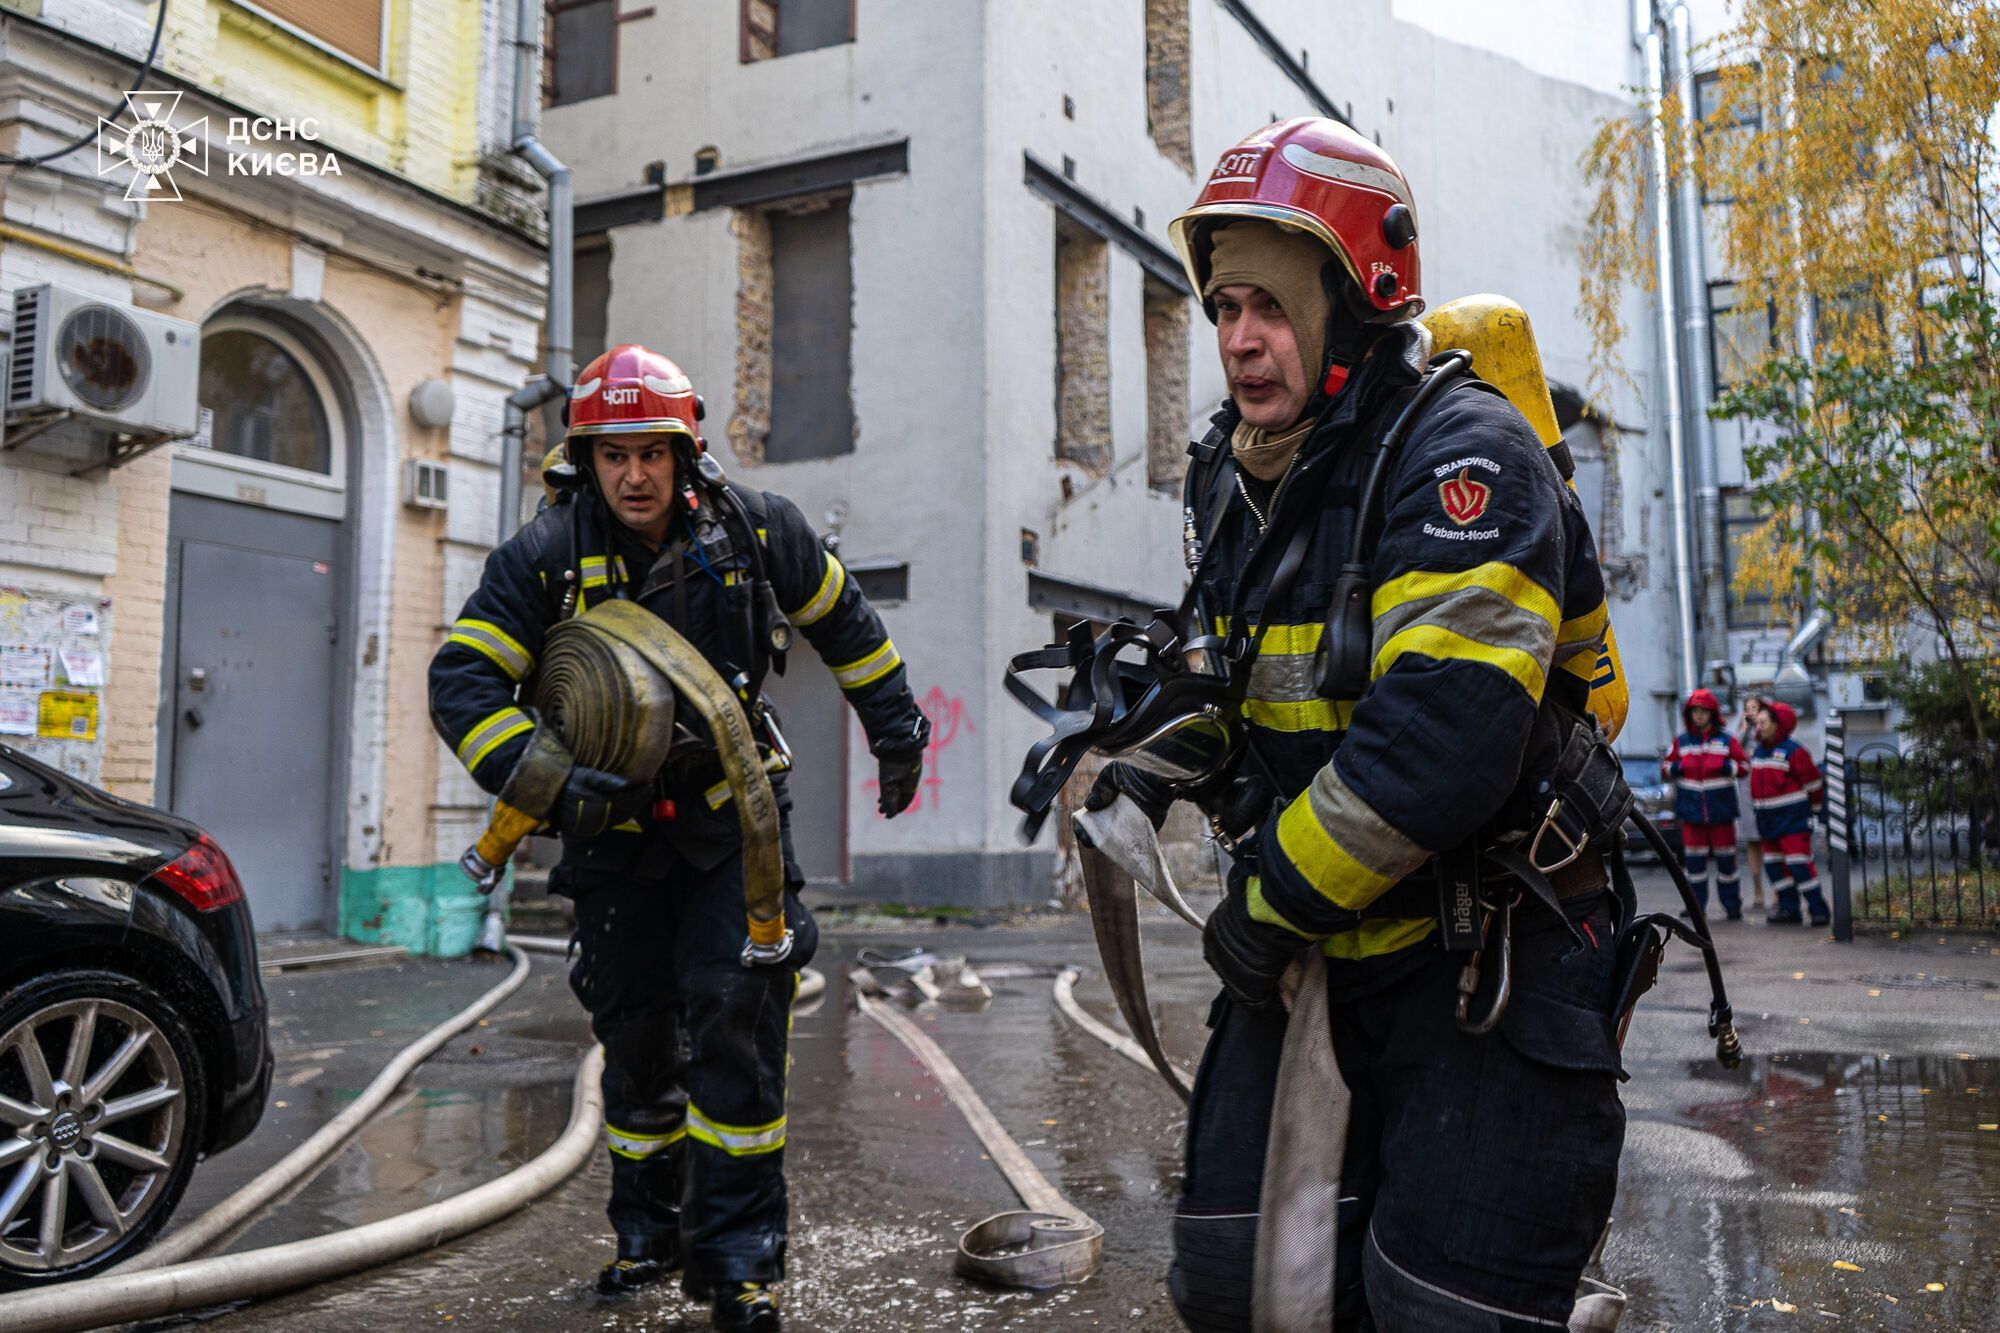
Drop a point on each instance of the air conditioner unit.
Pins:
(78, 358)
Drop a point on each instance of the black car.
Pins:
(132, 1020)
(1654, 798)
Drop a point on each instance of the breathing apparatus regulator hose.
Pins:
(610, 679)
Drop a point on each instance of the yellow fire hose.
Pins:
(610, 679)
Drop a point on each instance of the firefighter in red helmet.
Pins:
(694, 1036)
(1393, 560)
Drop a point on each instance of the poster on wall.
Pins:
(54, 649)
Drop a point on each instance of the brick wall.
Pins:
(750, 421)
(1167, 105)
(138, 594)
(1083, 350)
(1166, 386)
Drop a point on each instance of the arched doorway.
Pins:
(250, 672)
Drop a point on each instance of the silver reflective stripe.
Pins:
(736, 1140)
(630, 1143)
(830, 585)
(1354, 173)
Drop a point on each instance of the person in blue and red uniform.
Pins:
(694, 1036)
(1703, 764)
(1786, 790)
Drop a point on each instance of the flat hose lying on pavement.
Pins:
(306, 1160)
(120, 1297)
(1051, 1243)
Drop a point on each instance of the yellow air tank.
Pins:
(1497, 333)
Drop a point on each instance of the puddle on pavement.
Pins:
(1757, 1181)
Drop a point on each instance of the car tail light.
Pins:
(202, 876)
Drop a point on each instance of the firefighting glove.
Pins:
(1249, 956)
(1147, 792)
(900, 770)
(594, 802)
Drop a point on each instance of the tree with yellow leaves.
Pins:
(1856, 144)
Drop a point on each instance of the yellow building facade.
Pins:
(324, 197)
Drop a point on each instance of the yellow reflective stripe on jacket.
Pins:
(493, 730)
(1340, 846)
(1581, 643)
(1493, 613)
(736, 1140)
(1261, 910)
(869, 669)
(822, 601)
(1441, 644)
(597, 569)
(1371, 939)
(1300, 715)
(637, 1146)
(500, 647)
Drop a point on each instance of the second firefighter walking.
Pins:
(694, 1040)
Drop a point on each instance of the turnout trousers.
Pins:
(1479, 1171)
(695, 1060)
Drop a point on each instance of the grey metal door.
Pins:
(816, 720)
(251, 620)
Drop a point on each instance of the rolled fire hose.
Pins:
(1051, 1243)
(610, 678)
(305, 1161)
(121, 1297)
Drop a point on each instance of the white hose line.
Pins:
(302, 1162)
(121, 1297)
(1054, 1241)
(1066, 1001)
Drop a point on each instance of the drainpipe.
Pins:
(1646, 37)
(558, 369)
(1700, 361)
(1803, 332)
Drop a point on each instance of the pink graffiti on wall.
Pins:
(948, 715)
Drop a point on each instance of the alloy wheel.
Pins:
(93, 1119)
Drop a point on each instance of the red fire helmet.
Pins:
(629, 391)
(1323, 178)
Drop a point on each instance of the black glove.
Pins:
(1151, 795)
(900, 770)
(594, 802)
(1248, 955)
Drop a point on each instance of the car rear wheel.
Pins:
(101, 1108)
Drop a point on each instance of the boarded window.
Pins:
(1167, 118)
(351, 27)
(787, 27)
(1166, 386)
(582, 58)
(591, 283)
(812, 334)
(1083, 351)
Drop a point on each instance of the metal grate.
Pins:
(27, 325)
(103, 357)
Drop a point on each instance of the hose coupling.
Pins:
(484, 877)
(766, 955)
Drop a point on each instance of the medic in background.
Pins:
(1703, 764)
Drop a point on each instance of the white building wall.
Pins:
(954, 379)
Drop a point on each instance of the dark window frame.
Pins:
(1752, 120)
(552, 54)
(1758, 610)
(1715, 310)
(783, 330)
(746, 33)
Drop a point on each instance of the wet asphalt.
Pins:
(1848, 1167)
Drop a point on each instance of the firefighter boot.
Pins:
(641, 1261)
(746, 1307)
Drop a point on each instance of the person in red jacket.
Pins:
(1703, 764)
(1785, 788)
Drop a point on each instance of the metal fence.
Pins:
(1910, 841)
